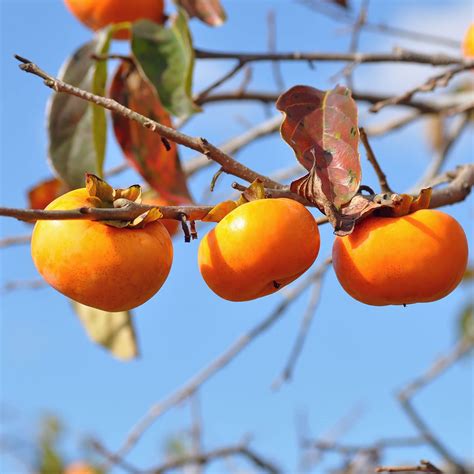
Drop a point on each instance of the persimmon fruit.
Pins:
(258, 248)
(79, 468)
(468, 42)
(97, 14)
(110, 268)
(420, 257)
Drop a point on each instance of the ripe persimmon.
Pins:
(79, 468)
(416, 258)
(97, 14)
(468, 42)
(110, 268)
(258, 248)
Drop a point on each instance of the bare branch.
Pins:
(215, 366)
(269, 97)
(397, 56)
(443, 153)
(235, 144)
(440, 80)
(462, 181)
(198, 144)
(375, 164)
(338, 15)
(205, 458)
(277, 75)
(15, 240)
(424, 466)
(304, 328)
(405, 398)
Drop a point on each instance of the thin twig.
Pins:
(304, 328)
(375, 164)
(198, 144)
(361, 19)
(270, 97)
(15, 240)
(215, 366)
(387, 29)
(231, 73)
(406, 395)
(436, 164)
(440, 80)
(235, 144)
(196, 430)
(424, 466)
(397, 56)
(276, 69)
(207, 457)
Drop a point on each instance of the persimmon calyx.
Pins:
(386, 205)
(101, 194)
(255, 191)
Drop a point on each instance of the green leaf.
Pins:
(76, 128)
(159, 165)
(466, 322)
(166, 57)
(50, 461)
(113, 331)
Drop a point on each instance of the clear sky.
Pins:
(355, 355)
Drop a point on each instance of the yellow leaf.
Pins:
(99, 188)
(113, 331)
(217, 213)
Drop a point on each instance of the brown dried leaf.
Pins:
(321, 127)
(208, 11)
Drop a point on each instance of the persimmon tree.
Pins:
(96, 244)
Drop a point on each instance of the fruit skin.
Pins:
(171, 225)
(96, 14)
(113, 269)
(468, 43)
(257, 244)
(79, 468)
(416, 258)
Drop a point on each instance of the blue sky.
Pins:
(355, 355)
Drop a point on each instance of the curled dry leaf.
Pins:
(104, 195)
(388, 205)
(321, 127)
(255, 191)
(143, 148)
(208, 11)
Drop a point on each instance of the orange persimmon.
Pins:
(110, 268)
(97, 14)
(468, 42)
(416, 258)
(258, 248)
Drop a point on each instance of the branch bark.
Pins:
(201, 145)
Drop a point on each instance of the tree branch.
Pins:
(201, 145)
(424, 466)
(397, 56)
(405, 398)
(207, 457)
(375, 164)
(440, 80)
(215, 366)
